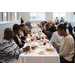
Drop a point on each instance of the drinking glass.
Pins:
(32, 39)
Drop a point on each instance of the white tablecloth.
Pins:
(35, 57)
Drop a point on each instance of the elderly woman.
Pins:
(9, 47)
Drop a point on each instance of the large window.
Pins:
(59, 15)
(35, 16)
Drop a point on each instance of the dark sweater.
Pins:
(70, 29)
(19, 43)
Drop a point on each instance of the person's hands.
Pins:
(54, 44)
(47, 38)
(27, 48)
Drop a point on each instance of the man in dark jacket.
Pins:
(70, 29)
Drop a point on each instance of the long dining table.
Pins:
(34, 55)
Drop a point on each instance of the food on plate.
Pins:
(49, 49)
(47, 41)
(29, 36)
(37, 46)
(41, 43)
(41, 52)
(35, 40)
(29, 41)
(44, 36)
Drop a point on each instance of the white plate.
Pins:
(41, 53)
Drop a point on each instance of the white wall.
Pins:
(49, 16)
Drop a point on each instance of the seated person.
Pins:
(66, 51)
(66, 27)
(30, 27)
(48, 36)
(47, 33)
(55, 37)
(60, 22)
(42, 25)
(27, 28)
(17, 37)
(9, 47)
(29, 32)
(47, 28)
(53, 24)
(70, 28)
(45, 22)
(22, 32)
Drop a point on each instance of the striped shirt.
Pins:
(10, 48)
